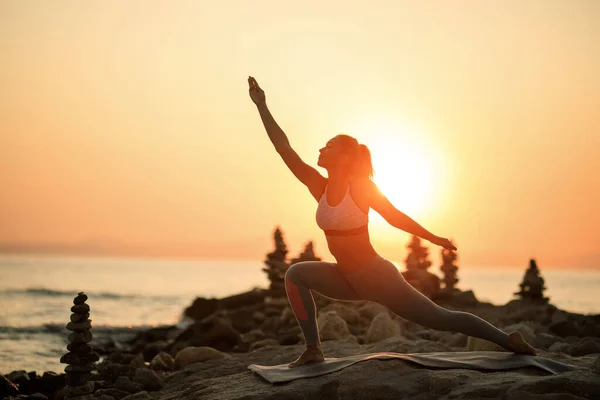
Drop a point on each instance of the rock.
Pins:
(596, 366)
(80, 309)
(201, 308)
(382, 327)
(116, 393)
(138, 362)
(564, 328)
(80, 299)
(152, 349)
(273, 311)
(287, 317)
(7, 388)
(80, 347)
(263, 343)
(192, 355)
(149, 379)
(112, 371)
(80, 337)
(18, 377)
(79, 368)
(215, 332)
(86, 388)
(242, 319)
(586, 346)
(78, 358)
(348, 313)
(253, 336)
(289, 336)
(559, 347)
(81, 326)
(476, 344)
(77, 379)
(37, 396)
(544, 340)
(258, 316)
(104, 397)
(456, 340)
(525, 330)
(162, 362)
(464, 298)
(88, 396)
(332, 326)
(125, 384)
(121, 358)
(138, 396)
(370, 310)
(79, 317)
(378, 379)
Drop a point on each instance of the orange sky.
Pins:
(130, 121)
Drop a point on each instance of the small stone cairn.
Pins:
(276, 264)
(416, 269)
(307, 255)
(532, 287)
(449, 270)
(81, 357)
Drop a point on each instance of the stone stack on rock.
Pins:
(416, 269)
(307, 255)
(276, 264)
(81, 357)
(532, 287)
(449, 270)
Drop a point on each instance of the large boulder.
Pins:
(348, 312)
(382, 327)
(332, 326)
(215, 331)
(162, 362)
(201, 308)
(192, 355)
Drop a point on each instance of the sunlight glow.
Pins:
(405, 167)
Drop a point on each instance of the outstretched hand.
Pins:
(445, 243)
(256, 93)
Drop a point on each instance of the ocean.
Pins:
(126, 294)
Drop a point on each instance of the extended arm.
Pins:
(304, 172)
(399, 220)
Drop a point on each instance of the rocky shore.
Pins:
(207, 354)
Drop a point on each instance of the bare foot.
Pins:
(312, 354)
(517, 344)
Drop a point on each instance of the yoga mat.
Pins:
(479, 360)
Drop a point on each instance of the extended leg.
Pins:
(389, 288)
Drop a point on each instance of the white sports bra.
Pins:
(344, 216)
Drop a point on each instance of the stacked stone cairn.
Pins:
(276, 264)
(81, 357)
(416, 272)
(532, 287)
(307, 255)
(449, 270)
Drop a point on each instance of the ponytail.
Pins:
(364, 166)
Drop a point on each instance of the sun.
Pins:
(405, 168)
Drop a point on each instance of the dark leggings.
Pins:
(381, 282)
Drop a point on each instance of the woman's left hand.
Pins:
(445, 243)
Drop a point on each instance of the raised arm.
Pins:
(314, 181)
(399, 220)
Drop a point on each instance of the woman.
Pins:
(345, 197)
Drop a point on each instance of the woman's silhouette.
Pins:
(344, 198)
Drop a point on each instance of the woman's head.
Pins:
(344, 153)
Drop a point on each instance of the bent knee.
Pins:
(294, 273)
